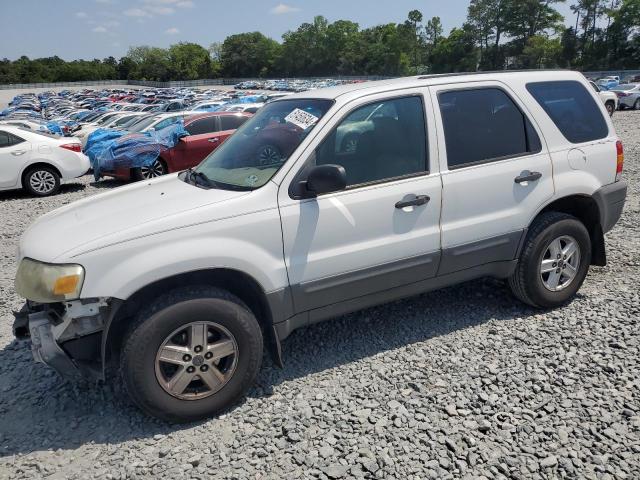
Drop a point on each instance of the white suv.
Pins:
(184, 279)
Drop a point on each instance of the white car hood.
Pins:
(119, 215)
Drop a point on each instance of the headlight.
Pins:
(48, 283)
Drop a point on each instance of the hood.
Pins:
(121, 214)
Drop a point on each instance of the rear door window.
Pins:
(231, 122)
(572, 109)
(8, 139)
(483, 125)
(5, 141)
(204, 125)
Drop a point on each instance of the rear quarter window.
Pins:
(572, 108)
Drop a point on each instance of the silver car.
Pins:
(628, 95)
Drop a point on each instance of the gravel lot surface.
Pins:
(464, 382)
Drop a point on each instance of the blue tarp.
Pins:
(98, 139)
(54, 128)
(136, 150)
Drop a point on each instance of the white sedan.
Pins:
(38, 161)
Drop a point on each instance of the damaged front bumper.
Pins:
(66, 336)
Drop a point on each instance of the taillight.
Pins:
(74, 147)
(622, 94)
(620, 160)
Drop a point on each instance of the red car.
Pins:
(207, 132)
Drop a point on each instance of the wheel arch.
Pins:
(585, 209)
(240, 284)
(34, 164)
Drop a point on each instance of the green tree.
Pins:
(248, 55)
(456, 53)
(542, 52)
(189, 61)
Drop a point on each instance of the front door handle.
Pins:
(17, 153)
(214, 140)
(414, 202)
(528, 177)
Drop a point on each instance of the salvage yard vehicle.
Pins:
(181, 281)
(207, 132)
(628, 95)
(610, 99)
(37, 161)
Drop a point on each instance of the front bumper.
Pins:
(66, 337)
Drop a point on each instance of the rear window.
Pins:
(572, 109)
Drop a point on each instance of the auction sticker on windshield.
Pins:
(301, 118)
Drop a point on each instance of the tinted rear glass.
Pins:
(231, 122)
(483, 125)
(572, 109)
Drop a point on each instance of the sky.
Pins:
(90, 29)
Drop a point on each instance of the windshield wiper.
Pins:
(201, 178)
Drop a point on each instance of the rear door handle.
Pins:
(414, 202)
(214, 140)
(528, 177)
(17, 153)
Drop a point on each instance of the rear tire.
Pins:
(41, 181)
(180, 389)
(542, 279)
(636, 105)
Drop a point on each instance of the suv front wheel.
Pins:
(554, 261)
(191, 354)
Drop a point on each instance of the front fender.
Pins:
(250, 244)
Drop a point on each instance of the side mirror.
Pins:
(325, 179)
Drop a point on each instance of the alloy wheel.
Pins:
(156, 169)
(269, 155)
(560, 263)
(196, 360)
(42, 181)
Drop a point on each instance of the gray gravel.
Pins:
(464, 382)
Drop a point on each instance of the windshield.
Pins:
(106, 118)
(122, 120)
(263, 144)
(131, 121)
(142, 124)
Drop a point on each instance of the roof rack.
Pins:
(458, 74)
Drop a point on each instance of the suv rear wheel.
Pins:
(191, 354)
(554, 261)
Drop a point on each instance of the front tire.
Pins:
(156, 169)
(42, 181)
(554, 261)
(191, 354)
(611, 107)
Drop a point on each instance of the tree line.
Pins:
(497, 34)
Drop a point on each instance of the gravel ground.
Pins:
(463, 382)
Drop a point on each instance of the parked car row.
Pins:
(292, 85)
(619, 97)
(34, 123)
